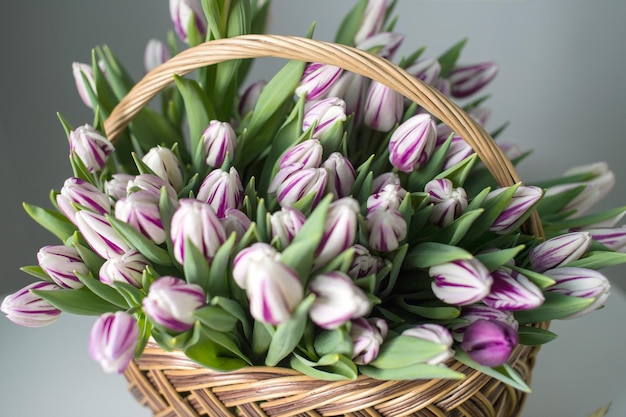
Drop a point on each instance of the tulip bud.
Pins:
(286, 224)
(475, 312)
(372, 20)
(383, 179)
(171, 303)
(461, 282)
(91, 147)
(293, 183)
(383, 44)
(273, 288)
(78, 194)
(113, 340)
(127, 268)
(222, 190)
(61, 263)
(197, 222)
(489, 343)
(427, 70)
(340, 230)
(150, 186)
(367, 335)
(444, 86)
(164, 163)
(412, 143)
(325, 115)
(436, 334)
(308, 153)
(26, 309)
(612, 238)
(100, 235)
(524, 198)
(448, 202)
(341, 175)
(116, 187)
(235, 221)
(364, 263)
(480, 114)
(352, 88)
(388, 198)
(250, 97)
(218, 140)
(141, 212)
(458, 151)
(383, 107)
(155, 54)
(512, 291)
(337, 300)
(84, 79)
(581, 283)
(185, 13)
(386, 229)
(317, 80)
(559, 251)
(469, 79)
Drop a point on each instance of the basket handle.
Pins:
(346, 57)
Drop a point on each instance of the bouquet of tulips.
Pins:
(316, 221)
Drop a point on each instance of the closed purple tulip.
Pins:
(523, 200)
(383, 179)
(383, 44)
(325, 114)
(364, 263)
(77, 194)
(458, 151)
(91, 147)
(427, 70)
(222, 191)
(250, 97)
(341, 175)
(151, 185)
(171, 303)
(61, 263)
(140, 211)
(612, 238)
(84, 79)
(559, 251)
(367, 335)
(512, 291)
(186, 12)
(218, 140)
(383, 107)
(448, 202)
(489, 342)
(285, 224)
(469, 79)
(308, 153)
(337, 301)
(412, 143)
(352, 88)
(293, 183)
(436, 334)
(26, 309)
(165, 164)
(462, 282)
(475, 312)
(317, 79)
(372, 20)
(127, 268)
(340, 230)
(155, 54)
(100, 235)
(235, 221)
(581, 283)
(113, 340)
(386, 229)
(117, 186)
(388, 198)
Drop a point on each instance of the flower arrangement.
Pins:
(316, 221)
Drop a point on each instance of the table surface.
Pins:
(47, 371)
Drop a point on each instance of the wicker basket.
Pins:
(172, 385)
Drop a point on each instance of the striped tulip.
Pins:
(222, 190)
(524, 198)
(559, 250)
(458, 151)
(29, 310)
(341, 175)
(469, 79)
(352, 88)
(386, 229)
(99, 234)
(461, 282)
(250, 97)
(383, 44)
(165, 164)
(185, 13)
(383, 107)
(140, 211)
(412, 143)
(127, 268)
(367, 335)
(292, 183)
(218, 140)
(155, 54)
(286, 224)
(512, 291)
(151, 185)
(433, 333)
(448, 202)
(325, 114)
(372, 20)
(113, 340)
(85, 82)
(337, 300)
(612, 238)
(235, 221)
(489, 342)
(427, 70)
(77, 194)
(117, 186)
(364, 263)
(62, 263)
(171, 303)
(581, 283)
(308, 153)
(317, 79)
(383, 179)
(90, 146)
(340, 230)
(388, 198)
(475, 312)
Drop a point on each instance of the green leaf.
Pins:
(132, 295)
(540, 280)
(341, 262)
(599, 260)
(351, 23)
(459, 172)
(411, 372)
(151, 129)
(81, 301)
(236, 310)
(168, 341)
(402, 351)
(118, 78)
(196, 267)
(495, 259)
(334, 341)
(448, 59)
(216, 318)
(54, 222)
(218, 275)
(145, 331)
(503, 373)
(587, 220)
(103, 291)
(429, 309)
(396, 266)
(533, 336)
(289, 333)
(555, 306)
(37, 272)
(93, 261)
(331, 367)
(601, 412)
(458, 229)
(430, 254)
(138, 241)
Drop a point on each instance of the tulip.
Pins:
(444, 86)
(337, 300)
(341, 175)
(388, 198)
(364, 263)
(171, 303)
(383, 44)
(326, 115)
(155, 54)
(475, 312)
(317, 80)
(286, 224)
(196, 222)
(480, 114)
(524, 198)
(612, 238)
(383, 107)
(433, 333)
(469, 79)
(461, 282)
(458, 151)
(383, 179)
(218, 140)
(273, 288)
(185, 13)
(140, 211)
(581, 283)
(113, 340)
(99, 234)
(412, 143)
(372, 20)
(222, 191)
(511, 150)
(340, 230)
(150, 186)
(386, 229)
(308, 153)
(26, 309)
(85, 82)
(489, 342)
(559, 251)
(427, 70)
(293, 183)
(352, 88)
(127, 268)
(512, 291)
(367, 335)
(62, 263)
(78, 194)
(164, 163)
(90, 146)
(117, 186)
(448, 202)
(235, 221)
(250, 97)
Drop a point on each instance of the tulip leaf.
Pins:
(262, 335)
(133, 296)
(118, 78)
(503, 373)
(588, 220)
(351, 23)
(53, 221)
(151, 129)
(234, 309)
(448, 59)
(458, 229)
(331, 367)
(556, 306)
(411, 372)
(396, 266)
(216, 318)
(215, 350)
(403, 351)
(103, 291)
(145, 332)
(599, 260)
(341, 262)
(289, 333)
(37, 272)
(540, 280)
(218, 276)
(551, 205)
(430, 254)
(93, 261)
(419, 178)
(80, 301)
(334, 341)
(498, 258)
(168, 341)
(533, 336)
(196, 267)
(362, 172)
(145, 246)
(430, 309)
(601, 412)
(459, 172)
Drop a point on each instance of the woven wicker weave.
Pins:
(172, 385)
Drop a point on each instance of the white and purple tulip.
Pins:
(523, 200)
(250, 97)
(151, 185)
(466, 80)
(285, 224)
(364, 263)
(448, 202)
(352, 88)
(294, 182)
(461, 282)
(340, 230)
(26, 309)
(341, 175)
(171, 303)
(325, 114)
(140, 211)
(457, 152)
(235, 221)
(222, 191)
(308, 153)
(412, 143)
(127, 268)
(386, 229)
(113, 340)
(91, 147)
(117, 186)
(367, 335)
(383, 179)
(559, 250)
(84, 79)
(426, 69)
(61, 263)
(165, 164)
(489, 342)
(155, 54)
(186, 12)
(77, 194)
(100, 235)
(437, 334)
(337, 300)
(218, 140)
(388, 198)
(581, 283)
(316, 80)
(474, 312)
(612, 238)
(383, 44)
(512, 291)
(372, 20)
(383, 107)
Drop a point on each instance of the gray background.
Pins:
(561, 84)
